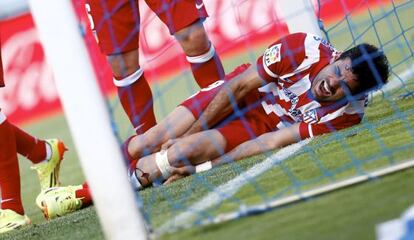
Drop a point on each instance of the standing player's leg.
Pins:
(201, 54)
(184, 20)
(11, 212)
(118, 39)
(46, 155)
(9, 168)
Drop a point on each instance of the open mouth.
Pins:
(324, 88)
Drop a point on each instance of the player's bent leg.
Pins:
(134, 91)
(190, 150)
(173, 126)
(10, 220)
(197, 148)
(201, 54)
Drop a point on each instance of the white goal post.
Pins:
(299, 16)
(88, 119)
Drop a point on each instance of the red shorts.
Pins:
(248, 121)
(117, 22)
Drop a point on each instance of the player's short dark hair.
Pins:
(370, 65)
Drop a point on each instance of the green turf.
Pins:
(385, 137)
(350, 213)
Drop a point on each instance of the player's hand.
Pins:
(179, 172)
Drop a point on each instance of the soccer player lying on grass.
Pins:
(300, 87)
(46, 156)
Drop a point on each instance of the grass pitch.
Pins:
(385, 137)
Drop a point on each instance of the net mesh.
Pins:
(241, 30)
(384, 138)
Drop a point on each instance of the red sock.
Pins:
(9, 170)
(206, 72)
(136, 99)
(29, 146)
(85, 194)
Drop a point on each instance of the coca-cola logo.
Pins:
(28, 78)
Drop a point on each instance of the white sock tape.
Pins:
(203, 57)
(161, 159)
(129, 79)
(203, 167)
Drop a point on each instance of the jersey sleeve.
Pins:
(348, 116)
(311, 130)
(282, 57)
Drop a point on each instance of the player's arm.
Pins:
(265, 142)
(221, 105)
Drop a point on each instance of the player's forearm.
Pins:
(247, 149)
(266, 142)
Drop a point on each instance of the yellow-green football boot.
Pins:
(10, 220)
(59, 201)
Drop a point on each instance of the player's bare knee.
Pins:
(124, 64)
(193, 40)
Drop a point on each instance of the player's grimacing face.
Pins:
(331, 82)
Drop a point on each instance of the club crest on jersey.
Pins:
(272, 54)
(310, 116)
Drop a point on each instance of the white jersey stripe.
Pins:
(310, 130)
(274, 108)
(282, 96)
(270, 87)
(350, 108)
(301, 86)
(312, 53)
(309, 106)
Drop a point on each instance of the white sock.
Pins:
(48, 152)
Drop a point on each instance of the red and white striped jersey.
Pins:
(289, 66)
